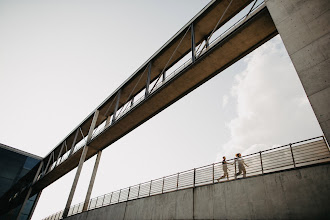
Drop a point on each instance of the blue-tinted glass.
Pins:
(13, 166)
(23, 217)
(28, 207)
(5, 184)
(30, 163)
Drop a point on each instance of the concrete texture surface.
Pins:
(294, 194)
(304, 26)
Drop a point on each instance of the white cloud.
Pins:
(225, 99)
(272, 108)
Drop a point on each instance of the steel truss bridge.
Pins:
(195, 54)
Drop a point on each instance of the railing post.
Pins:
(139, 191)
(110, 198)
(194, 178)
(119, 196)
(235, 168)
(129, 190)
(326, 143)
(97, 199)
(177, 182)
(262, 167)
(103, 200)
(150, 187)
(89, 205)
(163, 185)
(294, 163)
(213, 173)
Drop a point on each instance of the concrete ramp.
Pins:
(302, 193)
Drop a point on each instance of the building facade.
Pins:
(14, 164)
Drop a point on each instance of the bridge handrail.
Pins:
(290, 156)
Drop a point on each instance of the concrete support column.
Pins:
(75, 181)
(91, 183)
(80, 165)
(304, 26)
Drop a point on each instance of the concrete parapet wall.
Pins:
(294, 194)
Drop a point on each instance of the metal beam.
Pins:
(148, 80)
(59, 154)
(107, 122)
(74, 142)
(92, 127)
(116, 107)
(164, 76)
(91, 183)
(207, 42)
(51, 156)
(193, 44)
(80, 165)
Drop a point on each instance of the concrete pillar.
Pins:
(91, 183)
(80, 165)
(304, 26)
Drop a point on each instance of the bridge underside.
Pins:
(253, 33)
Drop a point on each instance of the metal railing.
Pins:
(290, 156)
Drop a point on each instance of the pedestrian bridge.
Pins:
(275, 179)
(223, 32)
(219, 35)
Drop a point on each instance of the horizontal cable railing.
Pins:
(290, 156)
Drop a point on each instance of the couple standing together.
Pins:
(241, 167)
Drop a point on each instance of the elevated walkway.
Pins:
(276, 180)
(301, 193)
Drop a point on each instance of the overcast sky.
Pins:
(60, 59)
